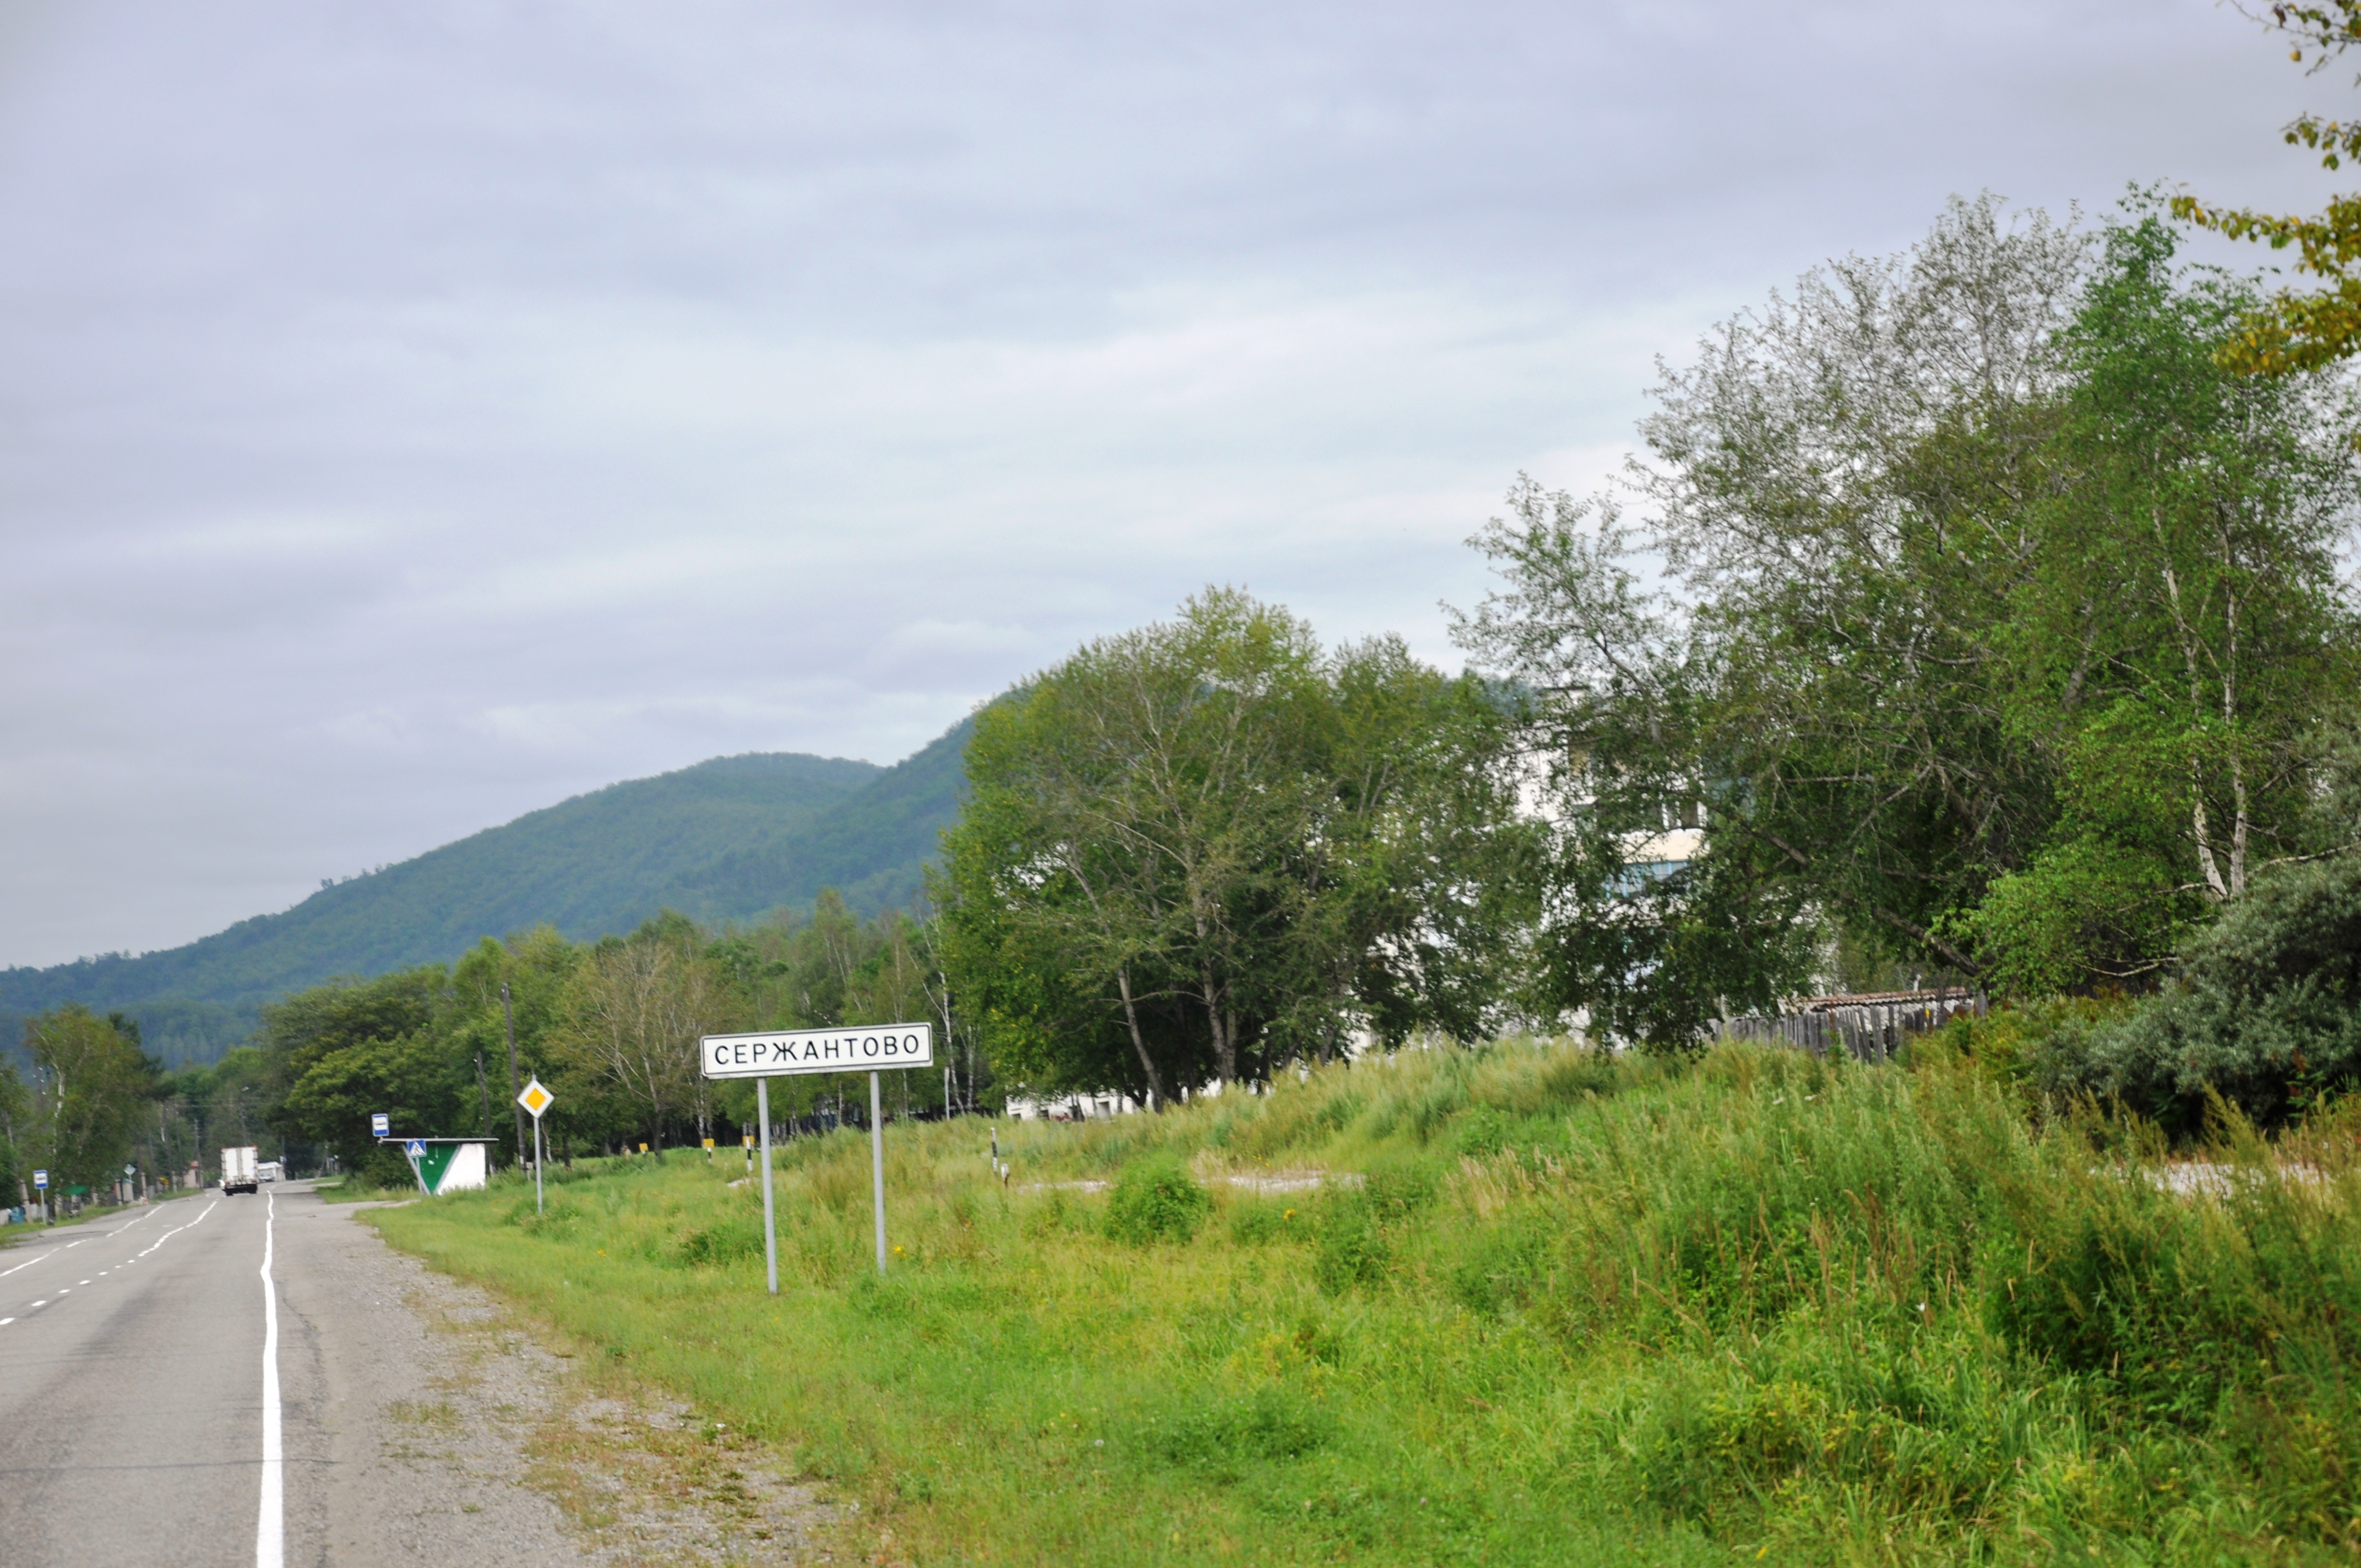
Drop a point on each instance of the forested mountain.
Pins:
(728, 838)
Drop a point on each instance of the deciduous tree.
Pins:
(632, 1015)
(1977, 611)
(92, 1088)
(1205, 846)
(2301, 329)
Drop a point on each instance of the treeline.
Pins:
(610, 1027)
(1199, 851)
(91, 1099)
(1984, 621)
(1965, 621)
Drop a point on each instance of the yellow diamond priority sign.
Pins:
(536, 1099)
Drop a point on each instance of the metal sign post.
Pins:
(770, 1227)
(872, 1047)
(536, 1100)
(877, 1163)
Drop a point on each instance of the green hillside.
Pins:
(869, 846)
(726, 838)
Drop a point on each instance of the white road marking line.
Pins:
(40, 1303)
(71, 1245)
(270, 1528)
(5, 1322)
(168, 1235)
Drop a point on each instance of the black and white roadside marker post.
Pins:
(873, 1048)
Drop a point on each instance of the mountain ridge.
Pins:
(729, 838)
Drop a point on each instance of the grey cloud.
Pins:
(409, 416)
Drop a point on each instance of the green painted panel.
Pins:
(437, 1160)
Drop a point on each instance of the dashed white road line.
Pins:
(118, 1230)
(271, 1389)
(29, 1263)
(168, 1235)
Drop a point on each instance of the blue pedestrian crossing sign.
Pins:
(417, 1149)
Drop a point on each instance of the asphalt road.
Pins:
(132, 1387)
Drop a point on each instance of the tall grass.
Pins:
(1549, 1307)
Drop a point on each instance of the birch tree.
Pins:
(1216, 845)
(634, 1012)
(1963, 602)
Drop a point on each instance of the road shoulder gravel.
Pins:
(446, 1426)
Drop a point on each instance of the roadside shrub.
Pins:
(385, 1166)
(2267, 1013)
(2043, 1045)
(1155, 1201)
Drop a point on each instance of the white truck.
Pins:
(238, 1169)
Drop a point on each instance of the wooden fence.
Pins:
(1870, 1028)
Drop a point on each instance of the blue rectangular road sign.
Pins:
(379, 1124)
(40, 1179)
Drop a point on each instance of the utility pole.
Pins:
(950, 1047)
(508, 1018)
(484, 1088)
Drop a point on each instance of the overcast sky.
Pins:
(413, 415)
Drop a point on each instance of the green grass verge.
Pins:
(1575, 1309)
